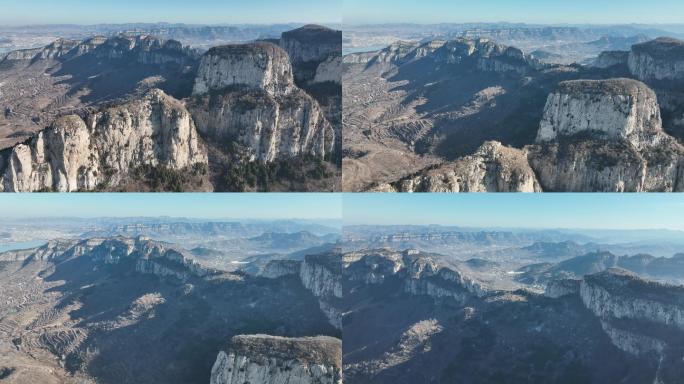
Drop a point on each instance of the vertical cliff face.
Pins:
(418, 273)
(315, 52)
(322, 275)
(76, 154)
(485, 55)
(617, 294)
(659, 59)
(642, 318)
(605, 135)
(246, 93)
(269, 127)
(261, 359)
(615, 109)
(256, 65)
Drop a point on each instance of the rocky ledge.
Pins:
(262, 359)
(493, 168)
(102, 149)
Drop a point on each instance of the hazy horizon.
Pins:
(203, 12)
(567, 211)
(271, 206)
(605, 12)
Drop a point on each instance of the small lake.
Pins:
(4, 247)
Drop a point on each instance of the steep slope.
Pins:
(117, 309)
(246, 93)
(605, 135)
(397, 335)
(67, 76)
(262, 359)
(105, 148)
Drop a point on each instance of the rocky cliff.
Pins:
(256, 65)
(615, 109)
(418, 273)
(617, 294)
(142, 49)
(493, 168)
(322, 275)
(659, 59)
(477, 54)
(609, 59)
(640, 317)
(261, 359)
(605, 135)
(247, 93)
(104, 148)
(315, 52)
(147, 256)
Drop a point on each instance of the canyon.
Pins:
(470, 115)
(232, 118)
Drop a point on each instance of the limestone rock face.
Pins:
(256, 65)
(76, 154)
(622, 295)
(605, 136)
(270, 126)
(421, 274)
(261, 359)
(322, 275)
(615, 108)
(329, 70)
(315, 52)
(246, 93)
(609, 59)
(487, 55)
(142, 49)
(640, 317)
(659, 59)
(493, 168)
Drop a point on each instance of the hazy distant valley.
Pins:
(157, 107)
(169, 301)
(443, 305)
(489, 107)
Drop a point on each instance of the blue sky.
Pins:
(530, 11)
(190, 205)
(23, 12)
(553, 210)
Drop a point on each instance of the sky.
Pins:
(511, 210)
(528, 11)
(25, 12)
(189, 205)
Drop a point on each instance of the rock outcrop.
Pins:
(615, 109)
(148, 256)
(609, 59)
(322, 275)
(102, 149)
(247, 93)
(262, 359)
(478, 54)
(657, 60)
(419, 274)
(315, 52)
(605, 135)
(258, 65)
(640, 317)
(142, 49)
(493, 168)
(617, 294)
